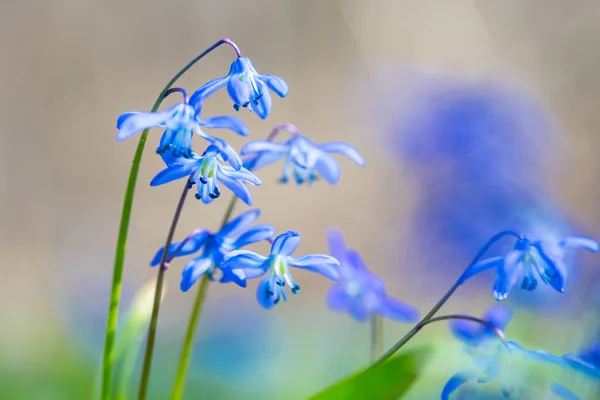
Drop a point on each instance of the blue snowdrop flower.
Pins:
(303, 158)
(529, 261)
(277, 265)
(358, 291)
(180, 121)
(232, 236)
(206, 172)
(246, 87)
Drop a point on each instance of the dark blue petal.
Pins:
(267, 294)
(319, 263)
(259, 146)
(193, 270)
(344, 149)
(256, 234)
(276, 84)
(574, 242)
(131, 123)
(480, 267)
(286, 243)
(244, 259)
(328, 168)
(563, 392)
(239, 224)
(175, 171)
(198, 97)
(225, 122)
(191, 246)
(262, 106)
(236, 276)
(455, 382)
(397, 310)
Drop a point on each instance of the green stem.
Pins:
(376, 336)
(184, 358)
(115, 294)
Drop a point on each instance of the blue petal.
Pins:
(262, 106)
(258, 146)
(244, 259)
(498, 315)
(555, 269)
(242, 174)
(239, 224)
(579, 242)
(508, 275)
(345, 149)
(258, 161)
(226, 151)
(238, 86)
(191, 246)
(480, 267)
(194, 270)
(328, 168)
(276, 84)
(236, 276)
(175, 171)
(267, 294)
(256, 234)
(319, 263)
(286, 243)
(337, 298)
(397, 310)
(131, 123)
(198, 97)
(455, 382)
(563, 392)
(237, 187)
(337, 244)
(225, 122)
(489, 373)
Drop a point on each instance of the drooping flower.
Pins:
(277, 265)
(232, 236)
(180, 121)
(303, 158)
(358, 291)
(529, 261)
(206, 172)
(246, 87)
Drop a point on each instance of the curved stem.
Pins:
(177, 90)
(497, 331)
(188, 342)
(115, 295)
(283, 127)
(443, 300)
(157, 297)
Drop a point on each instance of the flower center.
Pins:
(281, 273)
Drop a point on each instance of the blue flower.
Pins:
(358, 291)
(232, 236)
(304, 158)
(586, 361)
(206, 172)
(246, 87)
(529, 261)
(180, 121)
(272, 288)
(474, 334)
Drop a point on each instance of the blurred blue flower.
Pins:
(272, 288)
(474, 334)
(303, 158)
(206, 172)
(246, 87)
(232, 236)
(530, 260)
(586, 361)
(358, 291)
(180, 121)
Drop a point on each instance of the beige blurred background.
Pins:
(69, 68)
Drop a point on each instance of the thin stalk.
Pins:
(442, 301)
(186, 351)
(108, 357)
(157, 296)
(376, 336)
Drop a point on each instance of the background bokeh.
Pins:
(404, 81)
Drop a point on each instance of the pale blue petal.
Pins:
(574, 242)
(258, 146)
(242, 174)
(337, 244)
(192, 271)
(397, 310)
(237, 187)
(563, 392)
(239, 88)
(258, 161)
(319, 263)
(239, 224)
(198, 97)
(345, 149)
(480, 267)
(226, 151)
(489, 373)
(337, 298)
(175, 171)
(262, 106)
(286, 243)
(129, 124)
(455, 382)
(244, 259)
(225, 122)
(256, 234)
(190, 246)
(328, 168)
(508, 274)
(276, 84)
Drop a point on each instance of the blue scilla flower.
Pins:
(206, 172)
(234, 235)
(529, 261)
(180, 121)
(246, 87)
(303, 158)
(277, 265)
(358, 291)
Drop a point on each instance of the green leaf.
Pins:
(387, 381)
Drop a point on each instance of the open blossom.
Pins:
(206, 172)
(234, 235)
(246, 87)
(304, 159)
(358, 291)
(530, 261)
(276, 267)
